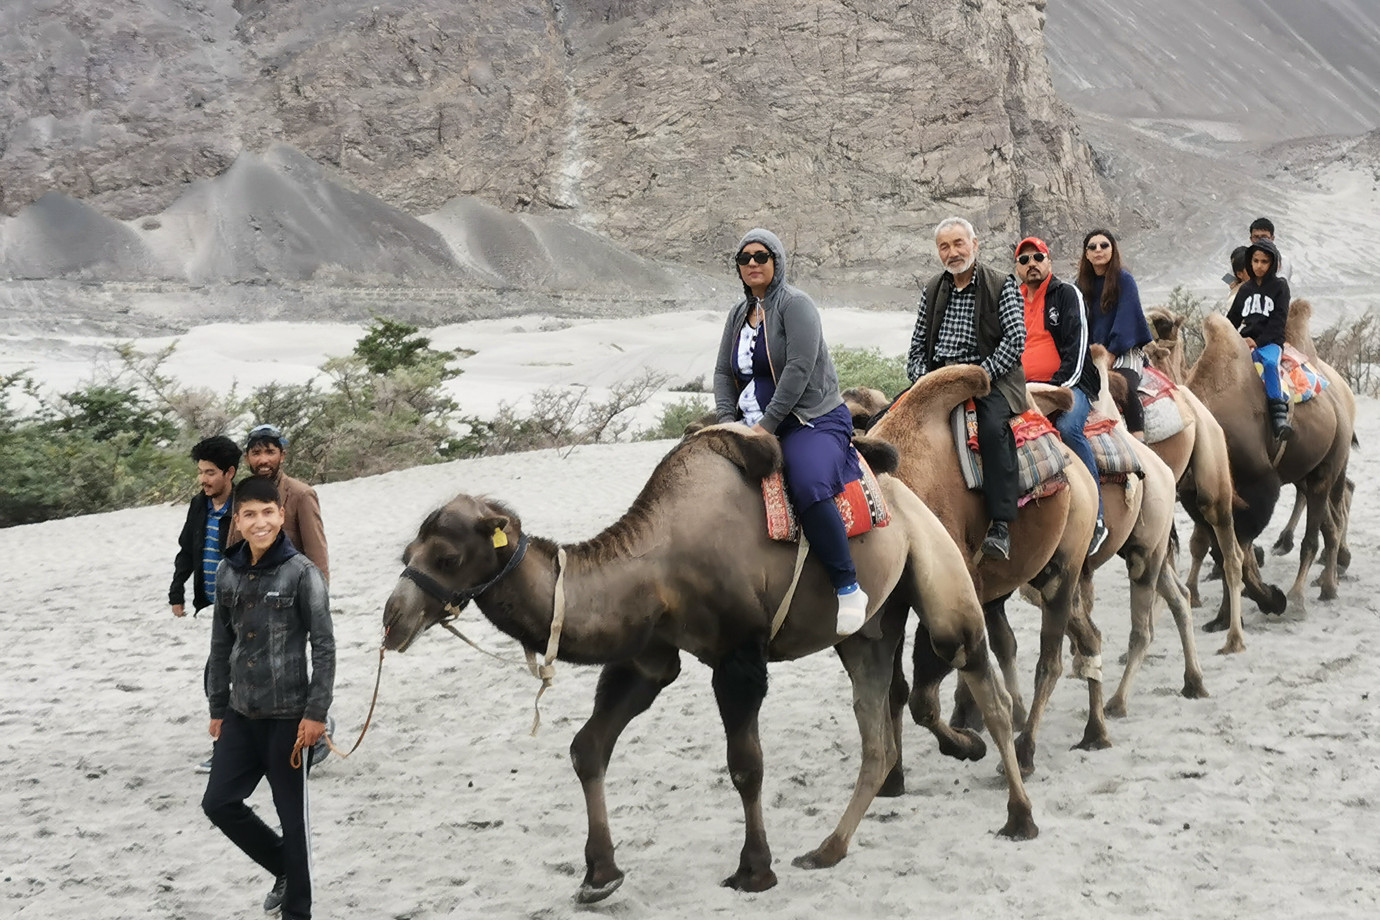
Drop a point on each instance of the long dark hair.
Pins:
(1111, 284)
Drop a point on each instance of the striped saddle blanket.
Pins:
(1039, 459)
(1162, 417)
(861, 505)
(1300, 379)
(1112, 449)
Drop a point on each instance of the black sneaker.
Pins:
(997, 543)
(273, 901)
(1099, 536)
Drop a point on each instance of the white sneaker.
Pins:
(852, 610)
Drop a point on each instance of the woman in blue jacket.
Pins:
(1115, 318)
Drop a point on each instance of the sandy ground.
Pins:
(1260, 801)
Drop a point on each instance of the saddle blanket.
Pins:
(1039, 460)
(1112, 448)
(1300, 379)
(861, 505)
(1162, 417)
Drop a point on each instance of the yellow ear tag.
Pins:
(500, 538)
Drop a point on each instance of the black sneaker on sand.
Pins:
(273, 901)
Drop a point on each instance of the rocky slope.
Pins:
(850, 126)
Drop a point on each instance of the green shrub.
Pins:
(1352, 347)
(675, 417)
(868, 367)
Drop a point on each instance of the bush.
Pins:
(1194, 308)
(675, 417)
(1353, 348)
(868, 367)
(561, 417)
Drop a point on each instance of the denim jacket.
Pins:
(265, 616)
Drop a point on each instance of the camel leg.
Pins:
(625, 690)
(871, 665)
(967, 714)
(1143, 589)
(1229, 551)
(1285, 544)
(740, 685)
(1268, 598)
(1316, 493)
(1198, 545)
(1058, 596)
(1342, 511)
(1087, 650)
(895, 783)
(930, 671)
(995, 704)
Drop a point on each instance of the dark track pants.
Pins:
(997, 445)
(248, 751)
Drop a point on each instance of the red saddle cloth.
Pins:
(861, 505)
(1154, 385)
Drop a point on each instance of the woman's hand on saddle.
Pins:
(758, 429)
(1250, 342)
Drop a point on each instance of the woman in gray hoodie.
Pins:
(774, 374)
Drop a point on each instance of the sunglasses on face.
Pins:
(1025, 259)
(761, 258)
(1093, 247)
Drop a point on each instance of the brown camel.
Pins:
(1049, 541)
(690, 568)
(1316, 458)
(1140, 518)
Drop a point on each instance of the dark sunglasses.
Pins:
(1093, 247)
(761, 258)
(1025, 259)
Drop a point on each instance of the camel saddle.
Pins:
(1112, 448)
(1300, 380)
(861, 505)
(1039, 459)
(1163, 419)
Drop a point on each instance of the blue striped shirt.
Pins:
(210, 547)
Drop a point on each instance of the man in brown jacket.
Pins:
(265, 450)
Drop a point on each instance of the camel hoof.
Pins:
(1020, 827)
(742, 880)
(1259, 554)
(1194, 690)
(1344, 558)
(1116, 708)
(827, 856)
(590, 893)
(975, 749)
(1282, 547)
(1234, 646)
(1093, 743)
(966, 719)
(1329, 593)
(894, 785)
(1218, 623)
(1194, 600)
(1276, 603)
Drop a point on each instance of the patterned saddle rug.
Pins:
(1112, 449)
(1039, 460)
(861, 505)
(1162, 417)
(1300, 379)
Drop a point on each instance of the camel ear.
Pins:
(493, 527)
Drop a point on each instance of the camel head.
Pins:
(863, 403)
(1167, 357)
(463, 546)
(1165, 324)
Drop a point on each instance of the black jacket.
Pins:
(1066, 319)
(190, 545)
(1260, 309)
(265, 615)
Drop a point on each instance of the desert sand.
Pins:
(1260, 801)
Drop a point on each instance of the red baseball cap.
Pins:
(1039, 244)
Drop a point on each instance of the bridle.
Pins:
(453, 602)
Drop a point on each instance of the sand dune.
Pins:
(1260, 801)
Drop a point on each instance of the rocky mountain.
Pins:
(850, 126)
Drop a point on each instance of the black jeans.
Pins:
(997, 445)
(249, 750)
(1135, 412)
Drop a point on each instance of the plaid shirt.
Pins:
(956, 342)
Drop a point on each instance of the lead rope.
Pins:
(546, 672)
(780, 617)
(296, 758)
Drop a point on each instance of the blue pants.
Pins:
(818, 462)
(1070, 425)
(1268, 356)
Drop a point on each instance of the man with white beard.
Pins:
(973, 314)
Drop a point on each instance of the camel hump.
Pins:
(1049, 398)
(881, 455)
(757, 455)
(1297, 331)
(1101, 357)
(1225, 358)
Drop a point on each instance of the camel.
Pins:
(1140, 518)
(1049, 541)
(1316, 458)
(690, 568)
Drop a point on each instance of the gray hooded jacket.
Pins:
(806, 382)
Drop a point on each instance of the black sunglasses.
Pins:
(1025, 259)
(1093, 247)
(761, 258)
